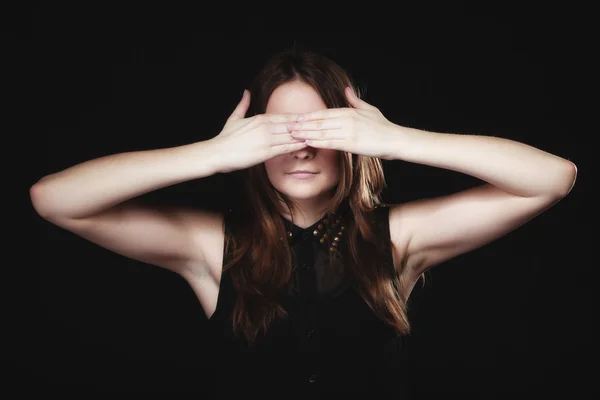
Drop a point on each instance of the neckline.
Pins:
(289, 225)
(326, 232)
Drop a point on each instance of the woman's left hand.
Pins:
(361, 129)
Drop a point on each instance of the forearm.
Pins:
(95, 185)
(514, 167)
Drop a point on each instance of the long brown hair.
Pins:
(261, 262)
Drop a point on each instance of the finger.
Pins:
(288, 148)
(280, 118)
(280, 135)
(278, 128)
(277, 140)
(355, 101)
(316, 125)
(325, 134)
(240, 110)
(324, 114)
(326, 144)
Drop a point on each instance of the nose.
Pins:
(305, 153)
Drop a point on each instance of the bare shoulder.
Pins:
(203, 273)
(181, 239)
(402, 220)
(400, 217)
(207, 232)
(434, 230)
(186, 240)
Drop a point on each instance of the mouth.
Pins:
(302, 174)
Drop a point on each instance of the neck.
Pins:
(306, 212)
(304, 220)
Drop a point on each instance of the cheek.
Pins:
(272, 166)
(334, 159)
(336, 164)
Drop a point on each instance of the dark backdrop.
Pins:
(513, 317)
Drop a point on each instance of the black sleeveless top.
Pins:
(331, 342)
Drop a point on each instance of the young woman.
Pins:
(306, 281)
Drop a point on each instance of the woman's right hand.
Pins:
(245, 142)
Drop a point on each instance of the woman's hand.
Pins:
(361, 129)
(245, 142)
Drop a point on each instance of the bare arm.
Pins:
(90, 200)
(521, 182)
(96, 185)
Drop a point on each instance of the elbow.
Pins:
(37, 197)
(563, 181)
(570, 178)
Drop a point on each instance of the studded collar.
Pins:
(327, 232)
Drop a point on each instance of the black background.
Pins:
(513, 317)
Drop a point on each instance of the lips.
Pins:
(302, 172)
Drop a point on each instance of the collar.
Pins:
(327, 232)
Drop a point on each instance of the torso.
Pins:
(205, 279)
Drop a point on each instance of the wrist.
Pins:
(407, 143)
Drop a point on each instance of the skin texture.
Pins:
(312, 195)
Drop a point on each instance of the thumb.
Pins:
(241, 108)
(355, 101)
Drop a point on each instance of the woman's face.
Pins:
(315, 191)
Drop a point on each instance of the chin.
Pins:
(304, 192)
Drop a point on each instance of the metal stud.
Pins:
(325, 230)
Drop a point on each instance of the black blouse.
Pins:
(331, 342)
